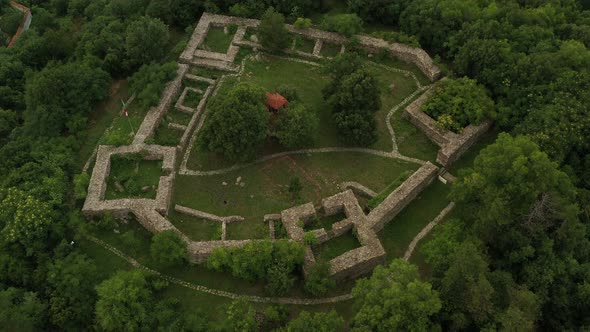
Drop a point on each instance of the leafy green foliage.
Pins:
(81, 182)
(458, 103)
(10, 21)
(168, 249)
(397, 37)
(318, 280)
(24, 220)
(146, 40)
(296, 126)
(295, 187)
(380, 11)
(394, 299)
(346, 24)
(272, 31)
(21, 310)
(319, 321)
(150, 80)
(125, 302)
(240, 316)
(237, 123)
(61, 96)
(353, 95)
(261, 260)
(302, 23)
(71, 282)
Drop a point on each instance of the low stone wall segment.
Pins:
(402, 196)
(452, 151)
(206, 216)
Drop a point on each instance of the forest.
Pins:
(516, 255)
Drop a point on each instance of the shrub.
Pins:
(302, 23)
(168, 249)
(295, 187)
(310, 239)
(356, 128)
(296, 126)
(272, 31)
(150, 80)
(259, 261)
(81, 182)
(279, 280)
(11, 21)
(237, 124)
(318, 280)
(346, 24)
(456, 103)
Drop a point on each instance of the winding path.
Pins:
(217, 292)
(394, 154)
(260, 299)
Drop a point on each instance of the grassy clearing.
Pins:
(166, 136)
(265, 184)
(132, 176)
(398, 233)
(196, 229)
(192, 99)
(411, 141)
(309, 81)
(303, 44)
(217, 40)
(175, 116)
(330, 49)
(336, 247)
(101, 119)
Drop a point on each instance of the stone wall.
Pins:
(425, 123)
(155, 114)
(452, 151)
(199, 252)
(402, 196)
(403, 52)
(452, 145)
(206, 216)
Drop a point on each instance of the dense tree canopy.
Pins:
(394, 299)
(168, 249)
(458, 103)
(237, 123)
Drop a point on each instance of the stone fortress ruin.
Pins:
(151, 213)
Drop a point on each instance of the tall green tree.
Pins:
(272, 31)
(394, 299)
(125, 302)
(237, 124)
(146, 40)
(167, 249)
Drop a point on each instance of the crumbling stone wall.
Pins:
(403, 52)
(155, 114)
(452, 151)
(402, 196)
(199, 252)
(206, 216)
(452, 145)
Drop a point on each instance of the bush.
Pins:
(81, 182)
(168, 249)
(261, 260)
(318, 280)
(457, 103)
(272, 31)
(302, 23)
(295, 187)
(279, 280)
(356, 128)
(310, 239)
(296, 127)
(346, 24)
(237, 124)
(150, 80)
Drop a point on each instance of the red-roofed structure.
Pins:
(275, 101)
